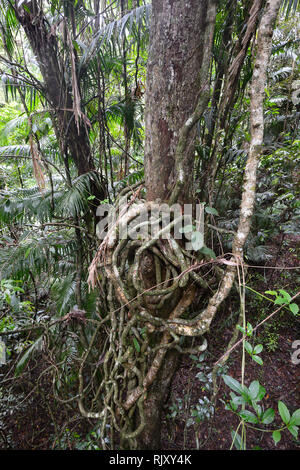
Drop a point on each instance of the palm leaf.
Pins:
(74, 201)
(289, 6)
(63, 293)
(26, 356)
(105, 34)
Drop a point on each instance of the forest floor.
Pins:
(29, 418)
(278, 375)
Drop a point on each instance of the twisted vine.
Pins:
(146, 284)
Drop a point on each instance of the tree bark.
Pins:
(150, 438)
(177, 53)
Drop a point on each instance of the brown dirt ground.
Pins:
(278, 374)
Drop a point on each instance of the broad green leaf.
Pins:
(258, 349)
(268, 416)
(238, 400)
(258, 360)
(201, 376)
(233, 384)
(261, 393)
(280, 301)
(211, 210)
(284, 412)
(295, 419)
(248, 416)
(197, 240)
(293, 430)
(257, 408)
(248, 347)
(241, 329)
(271, 292)
(186, 229)
(232, 406)
(193, 357)
(254, 389)
(276, 436)
(285, 295)
(249, 329)
(207, 251)
(294, 308)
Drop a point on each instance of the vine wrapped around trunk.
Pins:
(148, 283)
(141, 303)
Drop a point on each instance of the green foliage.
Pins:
(251, 397)
(35, 346)
(282, 297)
(47, 235)
(245, 401)
(10, 291)
(74, 201)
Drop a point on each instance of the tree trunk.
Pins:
(180, 49)
(176, 55)
(150, 438)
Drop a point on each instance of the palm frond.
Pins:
(281, 74)
(35, 346)
(74, 201)
(15, 150)
(105, 34)
(27, 205)
(289, 6)
(37, 253)
(281, 47)
(8, 24)
(63, 293)
(14, 124)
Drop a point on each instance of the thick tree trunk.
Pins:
(150, 438)
(176, 55)
(180, 50)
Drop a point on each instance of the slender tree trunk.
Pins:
(73, 136)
